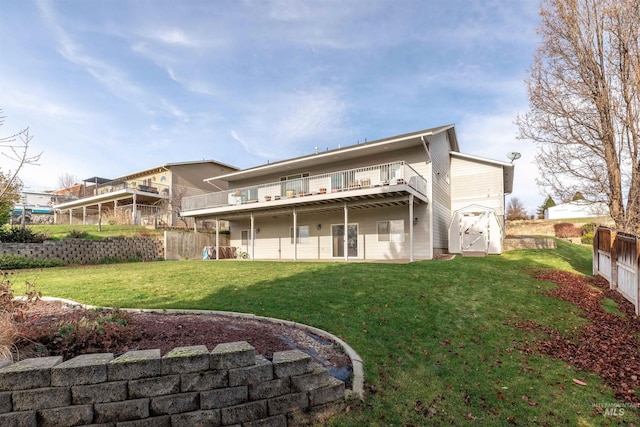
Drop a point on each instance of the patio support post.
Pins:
(345, 235)
(217, 238)
(295, 234)
(99, 216)
(84, 215)
(133, 211)
(115, 211)
(411, 227)
(70, 216)
(253, 237)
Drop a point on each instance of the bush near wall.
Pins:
(566, 230)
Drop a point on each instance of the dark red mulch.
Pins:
(607, 345)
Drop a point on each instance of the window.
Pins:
(296, 183)
(246, 236)
(391, 231)
(302, 234)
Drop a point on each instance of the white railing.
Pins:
(113, 186)
(397, 173)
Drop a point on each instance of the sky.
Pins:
(112, 87)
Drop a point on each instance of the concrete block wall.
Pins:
(189, 386)
(83, 251)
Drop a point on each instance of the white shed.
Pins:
(475, 231)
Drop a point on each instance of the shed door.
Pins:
(474, 227)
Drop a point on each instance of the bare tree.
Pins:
(66, 180)
(516, 209)
(15, 148)
(584, 94)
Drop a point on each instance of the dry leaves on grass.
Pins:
(607, 345)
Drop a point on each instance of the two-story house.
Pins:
(390, 199)
(148, 197)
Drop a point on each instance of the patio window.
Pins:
(246, 236)
(391, 230)
(302, 234)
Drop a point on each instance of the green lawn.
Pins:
(434, 335)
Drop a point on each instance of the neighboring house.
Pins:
(577, 209)
(149, 197)
(36, 206)
(390, 199)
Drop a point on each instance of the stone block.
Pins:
(287, 403)
(67, 416)
(318, 377)
(152, 387)
(134, 365)
(316, 414)
(260, 372)
(244, 413)
(184, 360)
(162, 421)
(291, 363)
(84, 369)
(175, 403)
(209, 418)
(19, 419)
(232, 355)
(223, 397)
(121, 411)
(269, 389)
(41, 398)
(205, 380)
(28, 373)
(4, 363)
(5, 402)
(331, 392)
(99, 393)
(277, 421)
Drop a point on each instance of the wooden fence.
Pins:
(616, 257)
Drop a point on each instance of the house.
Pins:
(390, 199)
(577, 209)
(35, 206)
(148, 197)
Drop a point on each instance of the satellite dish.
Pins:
(512, 155)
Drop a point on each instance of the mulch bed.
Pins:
(608, 345)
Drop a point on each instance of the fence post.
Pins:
(637, 302)
(613, 283)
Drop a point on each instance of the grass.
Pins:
(435, 336)
(58, 232)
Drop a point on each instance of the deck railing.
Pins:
(113, 186)
(397, 173)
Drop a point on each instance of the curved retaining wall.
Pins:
(188, 386)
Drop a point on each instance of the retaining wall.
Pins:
(189, 386)
(83, 251)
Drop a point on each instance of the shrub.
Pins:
(16, 262)
(9, 311)
(21, 235)
(77, 234)
(587, 239)
(83, 332)
(589, 228)
(566, 229)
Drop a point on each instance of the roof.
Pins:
(343, 153)
(507, 168)
(168, 166)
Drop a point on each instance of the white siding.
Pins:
(273, 239)
(441, 189)
(476, 182)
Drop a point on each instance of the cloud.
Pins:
(291, 124)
